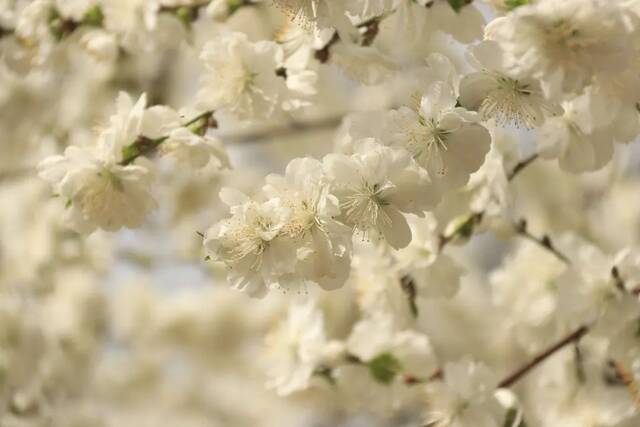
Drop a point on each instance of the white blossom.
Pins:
(574, 139)
(100, 44)
(376, 335)
(434, 274)
(241, 76)
(376, 186)
(324, 244)
(186, 144)
(463, 21)
(249, 243)
(588, 291)
(297, 348)
(496, 95)
(98, 190)
(464, 398)
(565, 44)
(444, 139)
(399, 190)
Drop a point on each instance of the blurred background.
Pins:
(135, 328)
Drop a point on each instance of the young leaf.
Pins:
(384, 367)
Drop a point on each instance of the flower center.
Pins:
(364, 207)
(427, 142)
(246, 238)
(510, 102)
(304, 216)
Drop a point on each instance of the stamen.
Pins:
(364, 208)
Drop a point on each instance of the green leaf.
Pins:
(384, 367)
(512, 4)
(56, 25)
(513, 419)
(130, 151)
(93, 17)
(234, 5)
(458, 4)
(187, 15)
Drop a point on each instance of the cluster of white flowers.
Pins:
(107, 185)
(454, 241)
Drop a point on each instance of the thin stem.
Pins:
(476, 217)
(515, 376)
(206, 115)
(259, 136)
(544, 241)
(408, 286)
(617, 279)
(143, 145)
(521, 166)
(283, 131)
(369, 30)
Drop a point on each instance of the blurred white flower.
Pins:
(464, 397)
(185, 139)
(461, 19)
(195, 150)
(241, 76)
(296, 348)
(99, 191)
(588, 291)
(525, 286)
(574, 140)
(434, 274)
(376, 334)
(565, 44)
(101, 45)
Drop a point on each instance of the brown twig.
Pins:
(408, 286)
(520, 166)
(283, 131)
(617, 279)
(515, 376)
(544, 241)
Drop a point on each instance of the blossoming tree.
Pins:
(427, 213)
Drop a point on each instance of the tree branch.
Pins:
(283, 131)
(544, 241)
(143, 145)
(521, 166)
(515, 376)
